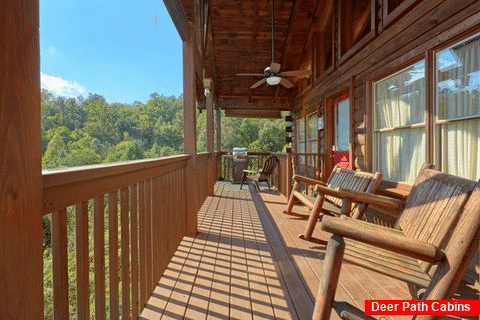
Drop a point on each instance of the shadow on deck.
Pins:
(247, 263)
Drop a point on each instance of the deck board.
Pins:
(247, 262)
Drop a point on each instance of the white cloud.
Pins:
(61, 87)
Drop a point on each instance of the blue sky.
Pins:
(123, 49)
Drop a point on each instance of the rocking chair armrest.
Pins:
(382, 237)
(306, 180)
(363, 197)
(250, 171)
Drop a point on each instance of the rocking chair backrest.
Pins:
(350, 179)
(268, 167)
(443, 210)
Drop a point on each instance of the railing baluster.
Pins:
(124, 224)
(113, 253)
(152, 224)
(182, 201)
(142, 227)
(134, 231)
(83, 291)
(99, 255)
(60, 264)
(148, 234)
(155, 245)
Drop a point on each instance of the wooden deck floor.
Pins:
(247, 263)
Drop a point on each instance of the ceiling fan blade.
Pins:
(275, 67)
(258, 83)
(287, 84)
(296, 73)
(251, 74)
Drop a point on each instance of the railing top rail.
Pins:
(75, 174)
(256, 153)
(203, 155)
(62, 188)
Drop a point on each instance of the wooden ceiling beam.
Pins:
(228, 104)
(293, 15)
(253, 113)
(283, 59)
(179, 17)
(327, 11)
(364, 20)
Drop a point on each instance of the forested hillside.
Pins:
(78, 131)
(91, 131)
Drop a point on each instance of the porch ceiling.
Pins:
(240, 42)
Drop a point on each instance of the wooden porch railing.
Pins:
(255, 162)
(202, 177)
(137, 214)
(308, 164)
(282, 178)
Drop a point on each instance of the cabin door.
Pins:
(339, 149)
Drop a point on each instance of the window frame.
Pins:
(432, 123)
(438, 154)
(375, 134)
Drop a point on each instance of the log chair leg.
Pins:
(291, 199)
(328, 284)
(312, 220)
(244, 177)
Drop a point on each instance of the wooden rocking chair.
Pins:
(262, 175)
(431, 247)
(329, 199)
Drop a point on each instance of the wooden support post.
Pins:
(289, 173)
(210, 144)
(21, 241)
(218, 138)
(328, 284)
(190, 131)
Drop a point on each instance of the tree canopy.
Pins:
(81, 131)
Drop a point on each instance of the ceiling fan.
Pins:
(272, 75)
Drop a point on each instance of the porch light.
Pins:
(274, 80)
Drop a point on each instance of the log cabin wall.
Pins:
(397, 34)
(401, 33)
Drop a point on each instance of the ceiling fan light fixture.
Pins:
(274, 80)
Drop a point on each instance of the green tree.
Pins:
(157, 151)
(81, 149)
(271, 137)
(56, 150)
(128, 149)
(102, 120)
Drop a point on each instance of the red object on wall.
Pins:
(341, 158)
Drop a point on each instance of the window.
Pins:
(355, 23)
(312, 144)
(399, 137)
(323, 49)
(342, 125)
(301, 140)
(457, 128)
(312, 133)
(394, 9)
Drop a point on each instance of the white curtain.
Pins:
(399, 149)
(460, 143)
(301, 139)
(458, 100)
